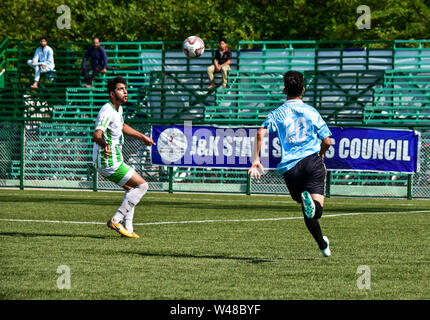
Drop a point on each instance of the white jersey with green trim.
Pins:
(110, 121)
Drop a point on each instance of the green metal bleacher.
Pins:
(21, 102)
(357, 86)
(248, 99)
(158, 83)
(276, 56)
(338, 95)
(178, 95)
(403, 100)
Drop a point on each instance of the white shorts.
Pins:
(119, 174)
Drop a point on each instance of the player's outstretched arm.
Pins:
(256, 166)
(138, 135)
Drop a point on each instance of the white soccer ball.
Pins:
(193, 47)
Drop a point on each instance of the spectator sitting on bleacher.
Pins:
(99, 62)
(221, 64)
(43, 61)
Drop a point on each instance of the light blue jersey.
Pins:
(299, 127)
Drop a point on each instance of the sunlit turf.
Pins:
(222, 249)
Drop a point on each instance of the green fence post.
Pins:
(238, 57)
(163, 58)
(2, 76)
(248, 184)
(170, 170)
(409, 186)
(328, 184)
(21, 167)
(95, 176)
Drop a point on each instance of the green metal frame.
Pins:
(64, 102)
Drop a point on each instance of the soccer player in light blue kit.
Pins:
(299, 128)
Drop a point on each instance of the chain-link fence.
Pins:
(209, 180)
(269, 182)
(59, 155)
(421, 180)
(10, 154)
(343, 183)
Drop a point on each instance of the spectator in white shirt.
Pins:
(43, 61)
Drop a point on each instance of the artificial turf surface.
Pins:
(199, 246)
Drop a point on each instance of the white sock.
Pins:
(131, 199)
(128, 220)
(118, 216)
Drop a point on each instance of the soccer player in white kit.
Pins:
(108, 139)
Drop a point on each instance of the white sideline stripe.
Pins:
(51, 221)
(268, 201)
(170, 199)
(226, 220)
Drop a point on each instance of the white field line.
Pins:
(170, 199)
(337, 201)
(268, 201)
(212, 221)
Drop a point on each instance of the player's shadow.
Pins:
(254, 260)
(31, 235)
(66, 201)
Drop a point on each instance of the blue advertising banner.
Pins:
(228, 147)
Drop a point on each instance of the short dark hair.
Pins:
(294, 83)
(44, 38)
(111, 85)
(222, 39)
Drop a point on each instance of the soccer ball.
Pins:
(193, 47)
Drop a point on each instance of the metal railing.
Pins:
(44, 136)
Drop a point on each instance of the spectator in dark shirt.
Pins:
(221, 64)
(98, 62)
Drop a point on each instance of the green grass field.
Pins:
(215, 247)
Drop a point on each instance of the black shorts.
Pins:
(307, 175)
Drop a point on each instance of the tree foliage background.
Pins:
(174, 20)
